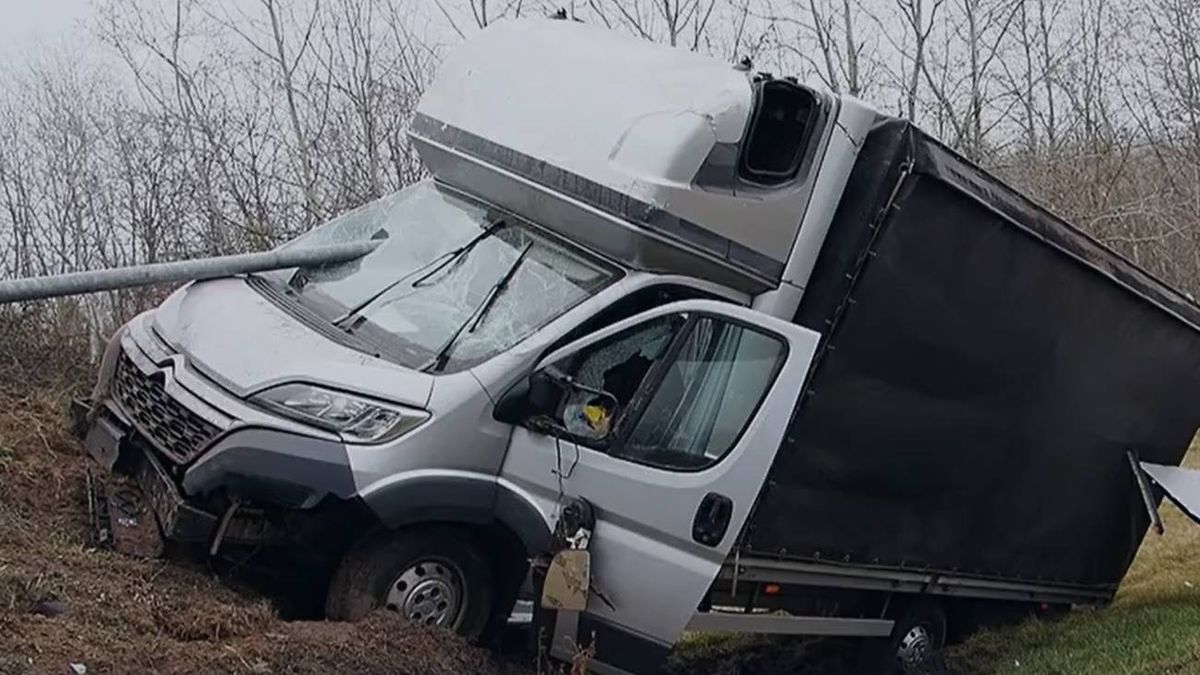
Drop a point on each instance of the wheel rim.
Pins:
(429, 591)
(915, 649)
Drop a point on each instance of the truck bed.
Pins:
(984, 370)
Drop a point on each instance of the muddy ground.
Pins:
(64, 602)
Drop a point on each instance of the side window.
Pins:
(610, 373)
(705, 396)
(674, 392)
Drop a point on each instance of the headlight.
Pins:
(357, 419)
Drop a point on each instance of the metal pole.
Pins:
(37, 288)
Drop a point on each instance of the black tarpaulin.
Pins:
(986, 366)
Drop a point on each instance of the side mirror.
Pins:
(540, 395)
(537, 394)
(545, 391)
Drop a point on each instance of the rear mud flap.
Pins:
(1181, 486)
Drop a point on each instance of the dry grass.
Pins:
(149, 616)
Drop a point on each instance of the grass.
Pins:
(1152, 626)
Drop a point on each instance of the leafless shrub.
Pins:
(213, 127)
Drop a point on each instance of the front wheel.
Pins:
(434, 576)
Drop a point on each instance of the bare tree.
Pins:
(828, 29)
(270, 35)
(230, 126)
(920, 17)
(682, 23)
(976, 34)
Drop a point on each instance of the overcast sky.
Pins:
(26, 23)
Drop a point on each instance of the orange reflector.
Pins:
(771, 589)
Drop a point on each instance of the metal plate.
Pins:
(1182, 486)
(103, 442)
(568, 581)
(178, 520)
(134, 528)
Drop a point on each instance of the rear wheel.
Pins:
(917, 640)
(434, 576)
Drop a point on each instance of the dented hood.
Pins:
(246, 343)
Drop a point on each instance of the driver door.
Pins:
(669, 429)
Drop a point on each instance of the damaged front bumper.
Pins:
(136, 505)
(238, 491)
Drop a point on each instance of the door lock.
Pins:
(712, 519)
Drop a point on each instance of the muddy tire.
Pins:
(435, 576)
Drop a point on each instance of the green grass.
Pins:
(1152, 626)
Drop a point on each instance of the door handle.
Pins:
(712, 519)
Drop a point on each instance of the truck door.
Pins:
(668, 427)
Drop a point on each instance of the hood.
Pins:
(243, 341)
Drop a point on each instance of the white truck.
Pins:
(706, 348)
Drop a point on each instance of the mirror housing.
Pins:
(535, 395)
(545, 392)
(513, 405)
(540, 394)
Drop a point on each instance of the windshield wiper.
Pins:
(439, 263)
(439, 360)
(457, 254)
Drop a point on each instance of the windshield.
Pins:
(447, 252)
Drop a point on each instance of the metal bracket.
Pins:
(565, 641)
(1143, 484)
(222, 528)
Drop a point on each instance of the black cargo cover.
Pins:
(985, 368)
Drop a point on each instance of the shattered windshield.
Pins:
(441, 255)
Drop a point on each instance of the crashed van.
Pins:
(690, 347)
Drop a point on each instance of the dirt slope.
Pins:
(121, 615)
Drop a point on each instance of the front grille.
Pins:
(172, 428)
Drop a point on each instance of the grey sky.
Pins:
(26, 23)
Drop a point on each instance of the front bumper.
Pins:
(146, 485)
(262, 471)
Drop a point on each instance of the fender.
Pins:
(274, 467)
(458, 496)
